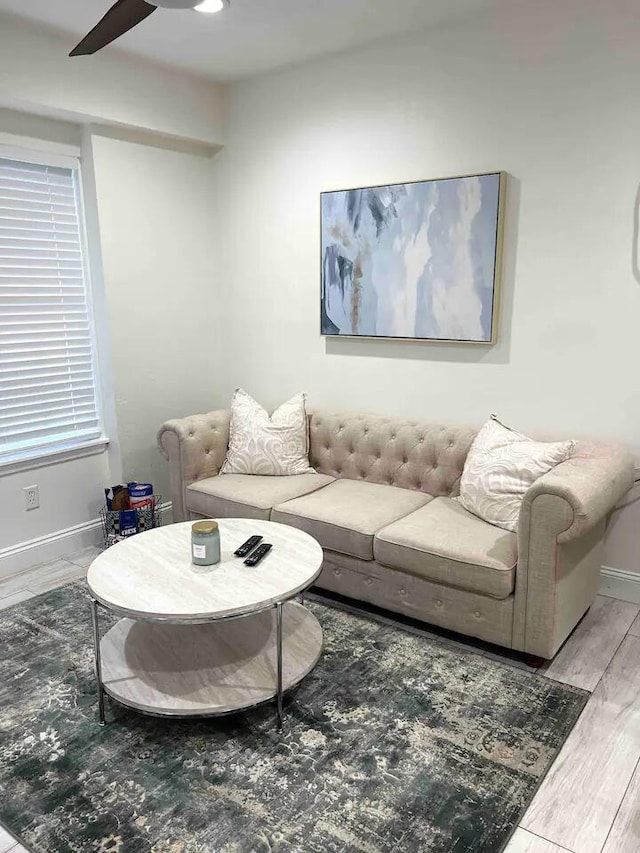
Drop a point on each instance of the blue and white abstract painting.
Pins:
(413, 260)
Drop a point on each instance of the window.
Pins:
(48, 391)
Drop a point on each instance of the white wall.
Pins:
(70, 492)
(157, 226)
(70, 495)
(155, 283)
(149, 218)
(546, 92)
(113, 88)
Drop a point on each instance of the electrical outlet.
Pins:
(31, 497)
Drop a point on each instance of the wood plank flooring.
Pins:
(526, 842)
(41, 578)
(590, 799)
(625, 832)
(8, 844)
(634, 630)
(577, 802)
(589, 650)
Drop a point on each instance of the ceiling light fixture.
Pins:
(124, 15)
(210, 6)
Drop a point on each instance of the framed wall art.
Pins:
(414, 261)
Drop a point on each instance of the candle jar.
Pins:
(205, 543)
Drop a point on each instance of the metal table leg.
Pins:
(97, 658)
(279, 645)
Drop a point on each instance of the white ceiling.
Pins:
(250, 37)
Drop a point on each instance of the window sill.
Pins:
(54, 456)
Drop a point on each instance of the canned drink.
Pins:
(141, 496)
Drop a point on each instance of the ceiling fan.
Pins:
(126, 14)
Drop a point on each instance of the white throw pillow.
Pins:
(500, 467)
(261, 444)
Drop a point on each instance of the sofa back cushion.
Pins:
(406, 453)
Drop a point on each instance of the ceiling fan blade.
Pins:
(122, 17)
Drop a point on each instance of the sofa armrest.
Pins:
(591, 483)
(560, 538)
(195, 447)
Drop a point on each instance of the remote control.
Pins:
(247, 546)
(259, 554)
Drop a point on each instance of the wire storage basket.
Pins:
(117, 524)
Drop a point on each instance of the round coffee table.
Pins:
(204, 641)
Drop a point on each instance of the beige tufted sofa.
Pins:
(381, 505)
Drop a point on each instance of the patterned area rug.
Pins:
(393, 743)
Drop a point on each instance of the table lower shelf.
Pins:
(211, 669)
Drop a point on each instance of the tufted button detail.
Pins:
(207, 451)
(366, 432)
(191, 434)
(451, 443)
(477, 614)
(434, 466)
(438, 602)
(403, 591)
(337, 572)
(393, 436)
(421, 440)
(369, 581)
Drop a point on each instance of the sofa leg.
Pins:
(534, 661)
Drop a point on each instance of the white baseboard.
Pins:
(44, 549)
(617, 583)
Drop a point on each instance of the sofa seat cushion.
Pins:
(443, 542)
(248, 495)
(345, 515)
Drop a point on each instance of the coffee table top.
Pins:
(150, 575)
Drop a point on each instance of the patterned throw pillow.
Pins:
(261, 444)
(500, 467)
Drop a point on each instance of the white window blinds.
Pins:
(48, 398)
